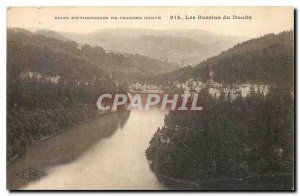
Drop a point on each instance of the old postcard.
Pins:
(150, 98)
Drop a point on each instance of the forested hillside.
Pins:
(267, 59)
(106, 60)
(264, 60)
(48, 89)
(236, 144)
(241, 143)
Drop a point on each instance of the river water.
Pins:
(104, 153)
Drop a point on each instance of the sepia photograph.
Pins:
(150, 98)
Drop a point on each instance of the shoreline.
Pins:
(15, 158)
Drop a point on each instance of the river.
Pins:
(107, 152)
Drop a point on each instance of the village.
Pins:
(214, 88)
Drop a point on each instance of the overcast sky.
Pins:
(264, 19)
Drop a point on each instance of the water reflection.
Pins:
(106, 153)
(65, 147)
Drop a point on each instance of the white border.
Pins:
(6, 3)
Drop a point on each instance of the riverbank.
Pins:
(63, 147)
(95, 114)
(103, 153)
(35, 140)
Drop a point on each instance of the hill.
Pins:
(48, 90)
(183, 46)
(52, 34)
(236, 143)
(106, 60)
(268, 59)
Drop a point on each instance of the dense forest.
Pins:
(235, 140)
(48, 89)
(241, 143)
(264, 60)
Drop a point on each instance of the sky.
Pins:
(263, 19)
